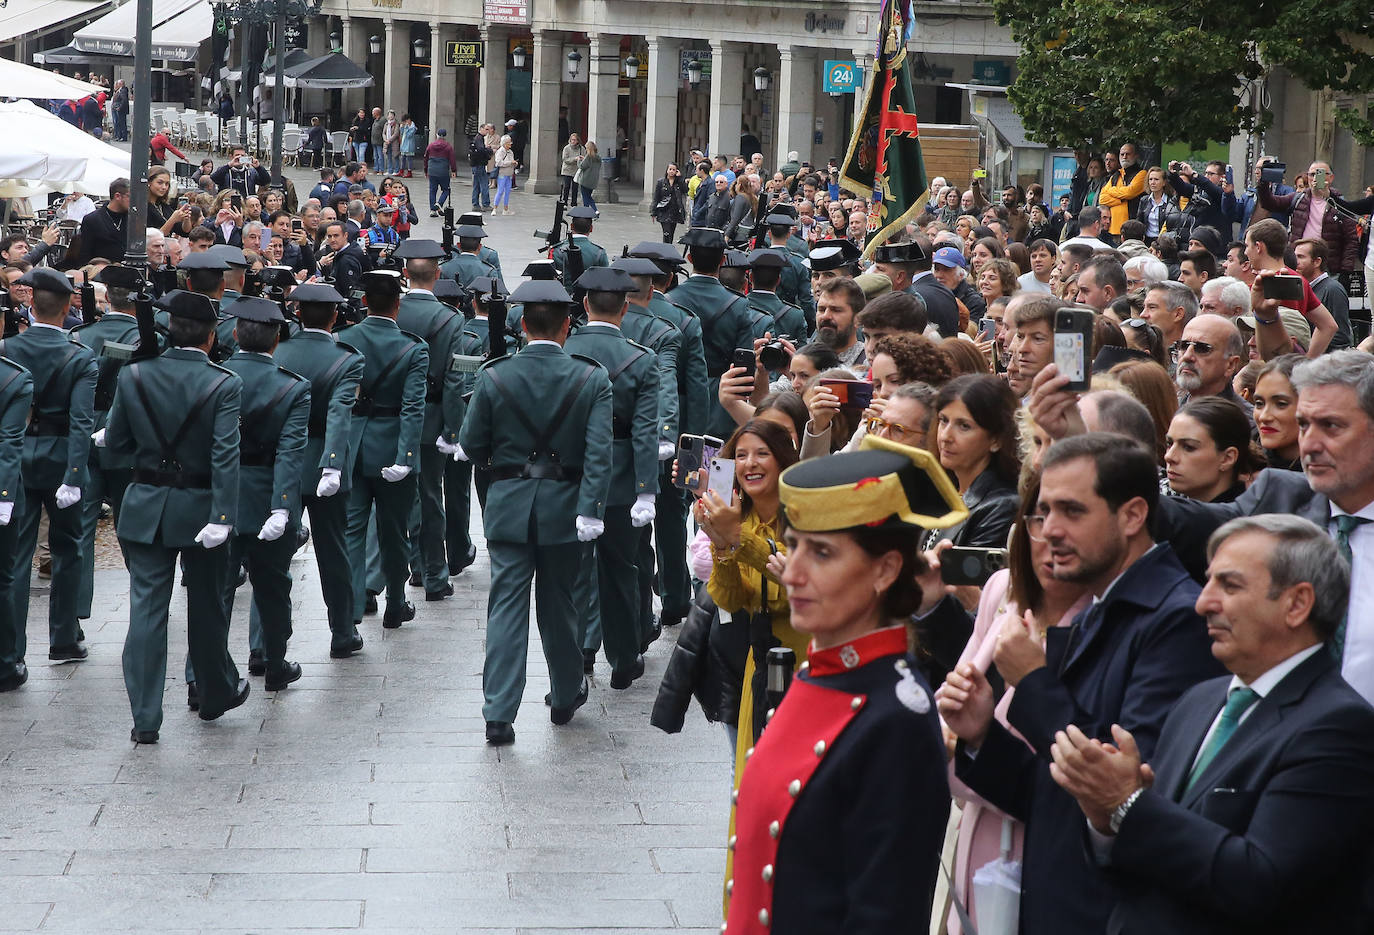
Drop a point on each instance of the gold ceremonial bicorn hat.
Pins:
(883, 483)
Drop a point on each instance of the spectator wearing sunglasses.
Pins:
(1209, 354)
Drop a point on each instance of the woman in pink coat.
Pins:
(1026, 582)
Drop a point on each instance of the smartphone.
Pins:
(721, 478)
(980, 173)
(688, 461)
(970, 566)
(297, 224)
(237, 201)
(1319, 179)
(853, 394)
(744, 358)
(1285, 287)
(1073, 346)
(1230, 176)
(987, 327)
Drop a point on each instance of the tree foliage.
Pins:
(1094, 71)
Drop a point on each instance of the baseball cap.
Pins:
(949, 256)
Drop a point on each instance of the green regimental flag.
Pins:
(885, 153)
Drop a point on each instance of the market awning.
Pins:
(293, 58)
(334, 70)
(179, 39)
(113, 33)
(32, 18)
(71, 55)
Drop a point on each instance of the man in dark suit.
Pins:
(1256, 811)
(1125, 661)
(941, 306)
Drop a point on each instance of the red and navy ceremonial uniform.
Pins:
(843, 804)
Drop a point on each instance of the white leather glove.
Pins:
(395, 472)
(6, 512)
(274, 526)
(589, 528)
(445, 447)
(213, 535)
(459, 454)
(642, 510)
(98, 439)
(666, 450)
(67, 495)
(329, 482)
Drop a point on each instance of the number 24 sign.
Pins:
(842, 77)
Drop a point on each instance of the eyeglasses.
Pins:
(887, 429)
(1035, 525)
(1201, 347)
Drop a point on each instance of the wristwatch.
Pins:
(1119, 813)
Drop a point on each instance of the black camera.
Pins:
(774, 356)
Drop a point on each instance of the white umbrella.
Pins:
(20, 80)
(31, 130)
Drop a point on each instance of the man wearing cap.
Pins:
(611, 575)
(112, 339)
(383, 230)
(56, 450)
(16, 401)
(334, 370)
(177, 416)
(794, 288)
(540, 419)
(734, 272)
(275, 414)
(725, 318)
(948, 271)
(484, 253)
(466, 265)
(388, 424)
(442, 331)
(767, 268)
(205, 276)
(345, 262)
(580, 223)
(908, 265)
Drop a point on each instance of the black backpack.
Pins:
(478, 154)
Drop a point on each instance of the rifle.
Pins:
(554, 234)
(12, 316)
(446, 237)
(496, 323)
(88, 314)
(147, 326)
(572, 272)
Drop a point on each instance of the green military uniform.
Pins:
(274, 423)
(107, 473)
(611, 564)
(177, 416)
(16, 398)
(56, 452)
(388, 420)
(592, 254)
(490, 257)
(441, 328)
(725, 326)
(334, 370)
(540, 419)
(781, 318)
(463, 268)
(665, 340)
(795, 289)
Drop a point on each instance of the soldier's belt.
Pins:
(369, 409)
(434, 396)
(620, 430)
(48, 426)
(257, 458)
(185, 480)
(529, 471)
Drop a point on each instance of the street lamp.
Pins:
(517, 56)
(694, 73)
(632, 66)
(761, 76)
(335, 42)
(374, 44)
(574, 60)
(421, 49)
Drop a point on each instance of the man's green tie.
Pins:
(1345, 525)
(1237, 702)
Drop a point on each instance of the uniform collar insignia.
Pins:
(889, 641)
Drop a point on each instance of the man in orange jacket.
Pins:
(1122, 191)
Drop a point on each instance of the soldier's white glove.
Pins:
(67, 495)
(98, 439)
(589, 528)
(329, 483)
(445, 447)
(642, 510)
(459, 454)
(213, 535)
(274, 526)
(666, 450)
(6, 512)
(395, 472)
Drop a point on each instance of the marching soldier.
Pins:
(768, 268)
(205, 276)
(274, 425)
(388, 420)
(580, 224)
(794, 288)
(477, 343)
(724, 315)
(442, 330)
(611, 572)
(16, 399)
(734, 270)
(334, 370)
(540, 419)
(112, 339)
(177, 416)
(484, 253)
(466, 265)
(236, 273)
(56, 451)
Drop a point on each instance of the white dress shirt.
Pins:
(1357, 663)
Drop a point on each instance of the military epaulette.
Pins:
(735, 291)
(642, 347)
(496, 360)
(293, 375)
(14, 364)
(684, 310)
(411, 335)
(587, 360)
(348, 347)
(221, 369)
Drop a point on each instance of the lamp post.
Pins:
(336, 41)
(574, 62)
(761, 78)
(517, 56)
(420, 48)
(632, 66)
(694, 73)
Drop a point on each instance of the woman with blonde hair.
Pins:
(506, 165)
(589, 174)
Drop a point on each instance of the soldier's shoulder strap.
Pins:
(348, 347)
(542, 437)
(639, 352)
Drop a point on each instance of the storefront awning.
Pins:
(179, 39)
(31, 18)
(71, 55)
(113, 33)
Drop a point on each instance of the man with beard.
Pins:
(1209, 354)
(1125, 660)
(838, 302)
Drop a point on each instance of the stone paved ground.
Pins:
(363, 797)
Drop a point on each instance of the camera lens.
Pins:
(774, 357)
